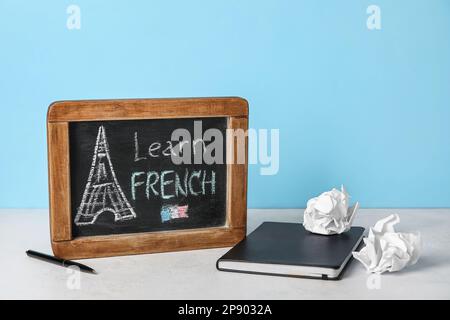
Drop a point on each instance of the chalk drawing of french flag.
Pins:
(170, 212)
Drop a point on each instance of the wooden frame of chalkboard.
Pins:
(62, 114)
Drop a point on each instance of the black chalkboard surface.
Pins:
(123, 179)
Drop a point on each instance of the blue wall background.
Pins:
(369, 109)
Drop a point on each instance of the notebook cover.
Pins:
(291, 244)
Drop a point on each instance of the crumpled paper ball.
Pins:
(329, 213)
(387, 250)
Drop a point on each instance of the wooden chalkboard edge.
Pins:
(153, 242)
(134, 109)
(237, 178)
(59, 181)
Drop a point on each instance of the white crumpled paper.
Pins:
(387, 250)
(329, 213)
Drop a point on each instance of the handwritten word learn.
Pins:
(203, 148)
(168, 149)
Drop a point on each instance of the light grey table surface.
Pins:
(192, 274)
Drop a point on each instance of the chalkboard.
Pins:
(123, 179)
(132, 176)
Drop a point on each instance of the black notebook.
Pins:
(287, 249)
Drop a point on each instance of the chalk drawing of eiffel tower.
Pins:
(102, 192)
